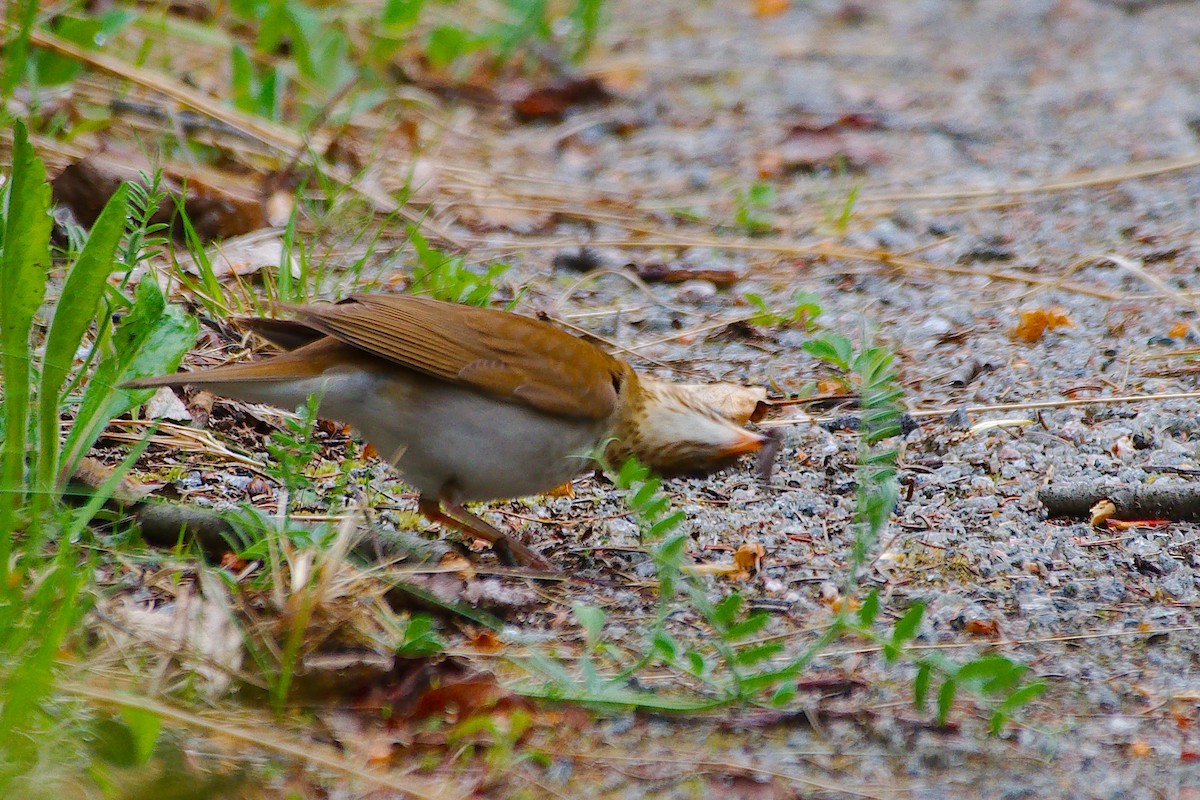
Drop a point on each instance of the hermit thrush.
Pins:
(474, 403)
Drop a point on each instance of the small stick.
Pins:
(1173, 501)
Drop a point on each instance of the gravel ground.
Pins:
(1003, 150)
(1033, 104)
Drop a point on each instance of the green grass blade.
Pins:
(23, 267)
(74, 312)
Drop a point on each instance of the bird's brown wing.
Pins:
(504, 355)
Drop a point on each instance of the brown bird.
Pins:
(473, 403)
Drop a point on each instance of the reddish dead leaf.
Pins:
(459, 562)
(219, 204)
(1034, 323)
(1140, 749)
(1124, 525)
(838, 603)
(464, 698)
(552, 102)
(982, 627)
(664, 273)
(231, 562)
(1178, 330)
(486, 641)
(770, 8)
(1122, 447)
(817, 141)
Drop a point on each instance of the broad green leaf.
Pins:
(906, 626)
(761, 652)
(402, 14)
(945, 700)
(672, 549)
(727, 610)
(143, 728)
(783, 695)
(749, 626)
(150, 340)
(869, 609)
(921, 686)
(1023, 695)
(665, 525)
(666, 645)
(986, 668)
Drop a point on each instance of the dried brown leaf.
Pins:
(1101, 512)
(552, 102)
(1034, 323)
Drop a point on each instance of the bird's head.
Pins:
(673, 432)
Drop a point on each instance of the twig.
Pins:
(1174, 501)
(998, 407)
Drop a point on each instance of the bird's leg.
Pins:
(464, 521)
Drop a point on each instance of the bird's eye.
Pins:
(616, 383)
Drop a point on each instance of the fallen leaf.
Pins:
(562, 490)
(486, 641)
(94, 474)
(464, 698)
(664, 273)
(749, 556)
(1140, 749)
(243, 255)
(1034, 323)
(1101, 512)
(219, 204)
(199, 627)
(1122, 447)
(982, 627)
(552, 102)
(165, 404)
(1178, 330)
(231, 562)
(1125, 525)
(770, 8)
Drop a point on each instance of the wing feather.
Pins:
(501, 354)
